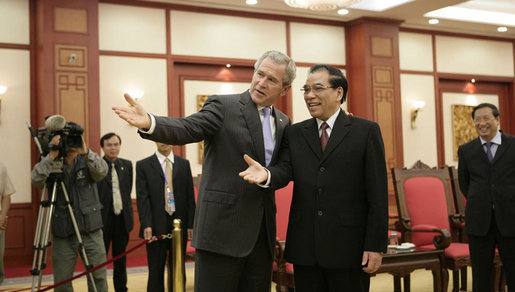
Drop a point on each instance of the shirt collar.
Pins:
(262, 107)
(162, 158)
(496, 139)
(330, 121)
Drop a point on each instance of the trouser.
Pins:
(318, 279)
(64, 259)
(217, 272)
(118, 238)
(482, 251)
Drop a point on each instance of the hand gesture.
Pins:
(256, 173)
(147, 234)
(134, 114)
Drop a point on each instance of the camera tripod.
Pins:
(41, 238)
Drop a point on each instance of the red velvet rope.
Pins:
(159, 237)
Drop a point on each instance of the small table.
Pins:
(401, 264)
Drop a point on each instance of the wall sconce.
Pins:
(3, 89)
(136, 94)
(417, 106)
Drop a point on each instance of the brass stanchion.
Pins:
(178, 257)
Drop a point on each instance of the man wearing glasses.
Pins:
(486, 173)
(338, 220)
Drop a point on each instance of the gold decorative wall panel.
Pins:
(463, 129)
(70, 20)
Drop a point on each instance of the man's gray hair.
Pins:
(280, 58)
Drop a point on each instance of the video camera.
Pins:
(70, 133)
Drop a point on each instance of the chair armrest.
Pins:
(441, 241)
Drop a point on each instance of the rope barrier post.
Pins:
(178, 257)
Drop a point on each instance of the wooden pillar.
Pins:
(374, 78)
(67, 80)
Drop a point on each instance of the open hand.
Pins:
(134, 114)
(256, 173)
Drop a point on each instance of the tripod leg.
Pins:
(37, 239)
(43, 233)
(79, 237)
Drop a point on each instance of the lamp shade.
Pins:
(321, 5)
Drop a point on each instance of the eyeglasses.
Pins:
(316, 89)
(483, 119)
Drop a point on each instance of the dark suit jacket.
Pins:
(150, 195)
(229, 210)
(486, 185)
(105, 191)
(340, 198)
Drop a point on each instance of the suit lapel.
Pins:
(280, 124)
(341, 128)
(251, 116)
(310, 133)
(156, 166)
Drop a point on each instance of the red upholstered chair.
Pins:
(426, 208)
(190, 250)
(283, 271)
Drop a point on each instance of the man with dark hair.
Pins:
(81, 168)
(115, 195)
(338, 220)
(486, 173)
(164, 190)
(234, 232)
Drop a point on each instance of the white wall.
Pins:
(15, 103)
(419, 143)
(14, 113)
(120, 74)
(212, 35)
(472, 56)
(131, 29)
(14, 22)
(415, 51)
(314, 43)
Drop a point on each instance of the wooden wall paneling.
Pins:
(374, 78)
(19, 235)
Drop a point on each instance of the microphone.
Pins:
(55, 123)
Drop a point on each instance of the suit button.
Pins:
(322, 169)
(320, 213)
(320, 190)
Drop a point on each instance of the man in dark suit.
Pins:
(338, 220)
(115, 195)
(234, 230)
(156, 177)
(486, 173)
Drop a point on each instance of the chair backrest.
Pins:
(424, 197)
(283, 201)
(459, 199)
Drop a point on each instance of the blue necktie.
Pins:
(489, 151)
(267, 136)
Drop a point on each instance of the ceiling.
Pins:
(412, 13)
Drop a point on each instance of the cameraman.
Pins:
(81, 169)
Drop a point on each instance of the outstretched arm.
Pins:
(255, 173)
(134, 114)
